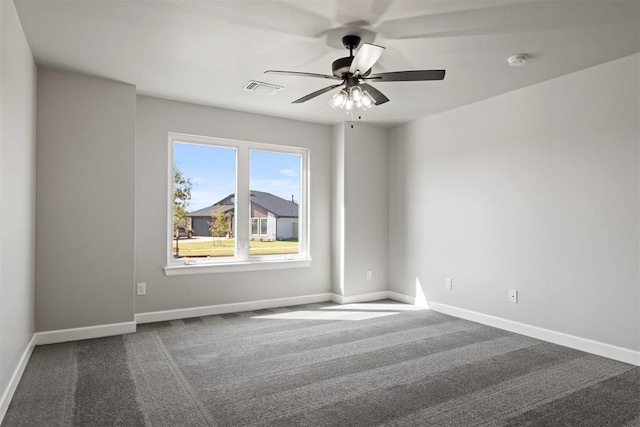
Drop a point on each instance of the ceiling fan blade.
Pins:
(316, 93)
(407, 76)
(377, 96)
(298, 73)
(367, 55)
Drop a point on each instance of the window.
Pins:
(198, 168)
(259, 231)
(236, 205)
(274, 181)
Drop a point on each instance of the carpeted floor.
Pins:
(323, 364)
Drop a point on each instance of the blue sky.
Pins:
(212, 171)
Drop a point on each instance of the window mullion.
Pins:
(242, 205)
(303, 213)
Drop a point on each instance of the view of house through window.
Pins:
(208, 187)
(203, 188)
(275, 193)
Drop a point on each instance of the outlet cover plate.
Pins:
(141, 288)
(448, 283)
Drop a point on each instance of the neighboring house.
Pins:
(272, 217)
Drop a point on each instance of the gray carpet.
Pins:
(323, 364)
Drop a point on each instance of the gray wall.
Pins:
(337, 209)
(360, 184)
(17, 192)
(85, 201)
(366, 208)
(535, 190)
(156, 118)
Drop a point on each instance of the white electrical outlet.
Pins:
(448, 283)
(369, 274)
(141, 288)
(513, 296)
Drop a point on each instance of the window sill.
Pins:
(232, 267)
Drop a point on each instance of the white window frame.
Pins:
(242, 261)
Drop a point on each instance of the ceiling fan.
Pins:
(354, 73)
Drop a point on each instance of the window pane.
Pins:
(204, 204)
(254, 226)
(275, 196)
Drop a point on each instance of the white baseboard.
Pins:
(401, 298)
(84, 333)
(185, 313)
(373, 296)
(594, 347)
(7, 394)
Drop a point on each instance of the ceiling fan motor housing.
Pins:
(340, 67)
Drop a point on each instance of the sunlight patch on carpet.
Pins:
(373, 307)
(328, 315)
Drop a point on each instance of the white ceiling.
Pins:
(204, 52)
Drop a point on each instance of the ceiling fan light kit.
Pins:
(355, 71)
(354, 99)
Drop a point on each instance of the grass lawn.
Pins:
(224, 247)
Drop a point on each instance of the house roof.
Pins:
(272, 203)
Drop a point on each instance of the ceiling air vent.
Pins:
(261, 87)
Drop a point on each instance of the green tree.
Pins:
(181, 197)
(219, 224)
